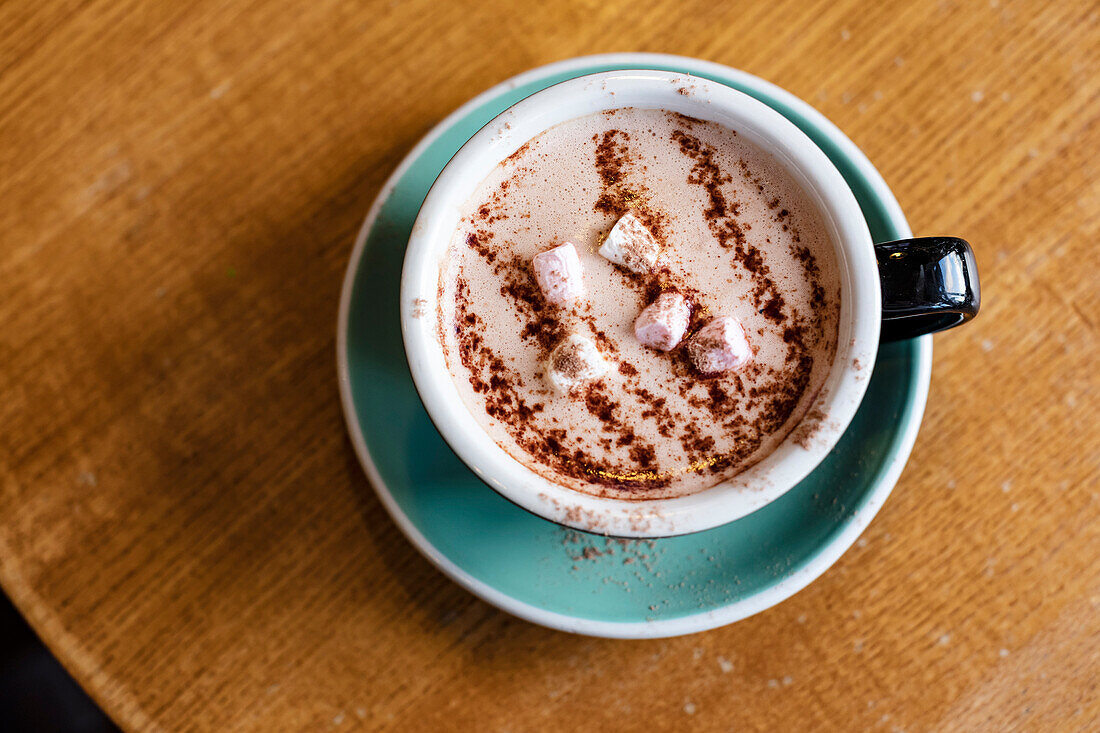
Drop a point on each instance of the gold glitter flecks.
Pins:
(630, 197)
(630, 476)
(624, 476)
(600, 239)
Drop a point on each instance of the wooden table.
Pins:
(183, 520)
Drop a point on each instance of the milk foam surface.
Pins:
(738, 238)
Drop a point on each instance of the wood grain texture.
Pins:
(182, 517)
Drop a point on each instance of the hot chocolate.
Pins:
(638, 304)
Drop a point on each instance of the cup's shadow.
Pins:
(375, 309)
(491, 636)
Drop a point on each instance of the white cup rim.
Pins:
(750, 490)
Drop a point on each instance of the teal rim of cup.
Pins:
(570, 580)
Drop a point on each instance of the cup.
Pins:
(895, 290)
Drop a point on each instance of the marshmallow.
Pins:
(574, 361)
(720, 346)
(558, 273)
(630, 245)
(663, 322)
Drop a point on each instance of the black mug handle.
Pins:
(929, 284)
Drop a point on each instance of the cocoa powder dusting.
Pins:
(543, 323)
(619, 405)
(617, 197)
(721, 217)
(496, 382)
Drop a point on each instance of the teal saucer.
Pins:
(570, 580)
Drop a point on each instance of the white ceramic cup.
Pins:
(755, 122)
